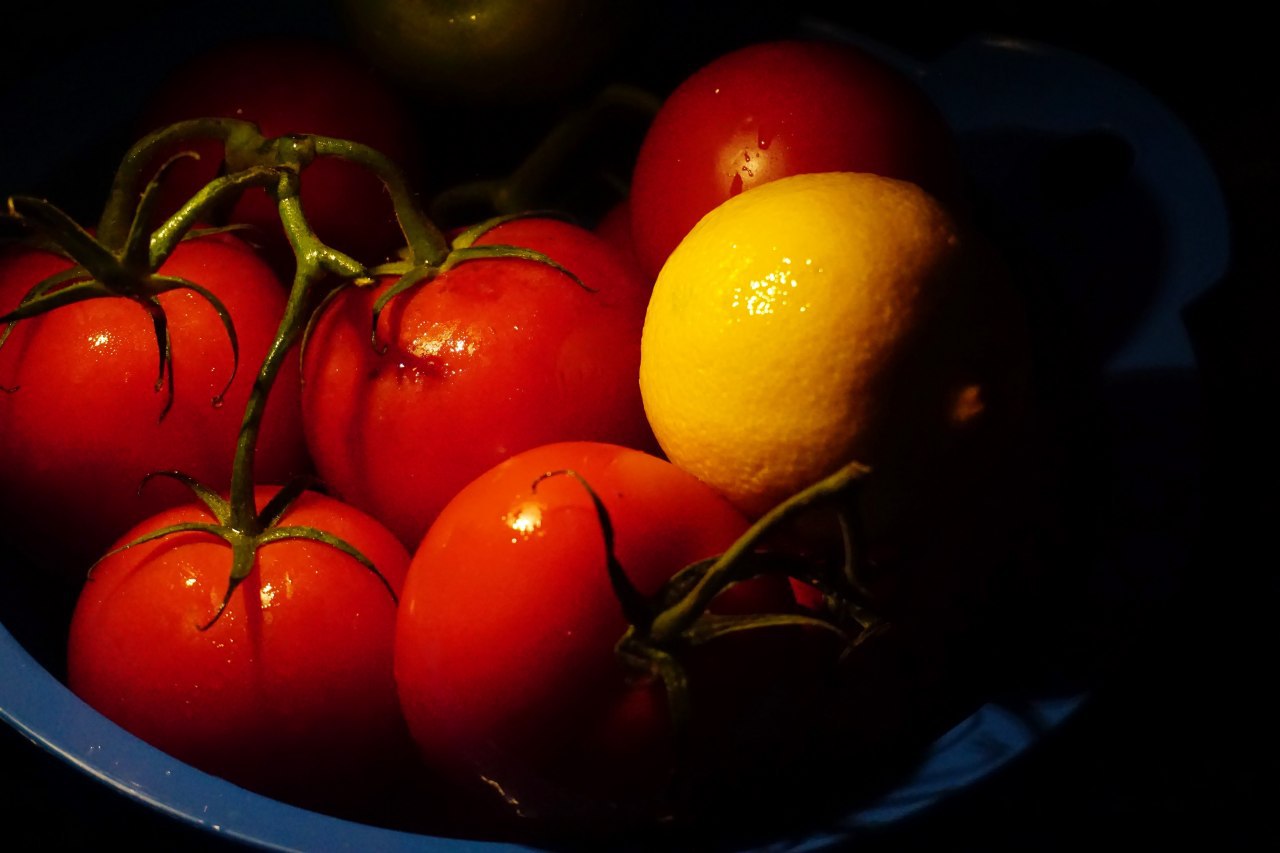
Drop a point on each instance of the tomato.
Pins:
(505, 639)
(492, 50)
(293, 85)
(614, 227)
(80, 419)
(779, 108)
(290, 692)
(489, 358)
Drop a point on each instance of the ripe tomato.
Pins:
(505, 639)
(290, 692)
(614, 228)
(293, 85)
(773, 109)
(489, 358)
(80, 423)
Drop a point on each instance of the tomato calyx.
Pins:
(663, 627)
(246, 534)
(128, 271)
(461, 250)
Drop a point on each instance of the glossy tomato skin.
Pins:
(780, 108)
(293, 85)
(490, 358)
(505, 640)
(290, 693)
(81, 426)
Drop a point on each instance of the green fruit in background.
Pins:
(502, 51)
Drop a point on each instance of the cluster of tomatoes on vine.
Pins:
(265, 464)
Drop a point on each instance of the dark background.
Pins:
(1177, 742)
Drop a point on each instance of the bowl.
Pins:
(1023, 113)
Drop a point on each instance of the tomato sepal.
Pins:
(60, 289)
(412, 277)
(99, 272)
(245, 539)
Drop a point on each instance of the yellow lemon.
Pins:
(816, 320)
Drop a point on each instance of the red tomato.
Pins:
(505, 640)
(615, 229)
(290, 692)
(490, 358)
(773, 109)
(80, 423)
(294, 86)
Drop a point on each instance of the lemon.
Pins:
(815, 320)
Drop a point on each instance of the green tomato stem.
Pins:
(124, 257)
(133, 173)
(166, 237)
(680, 617)
(425, 241)
(315, 261)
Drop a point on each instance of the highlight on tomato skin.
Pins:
(505, 658)
(290, 691)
